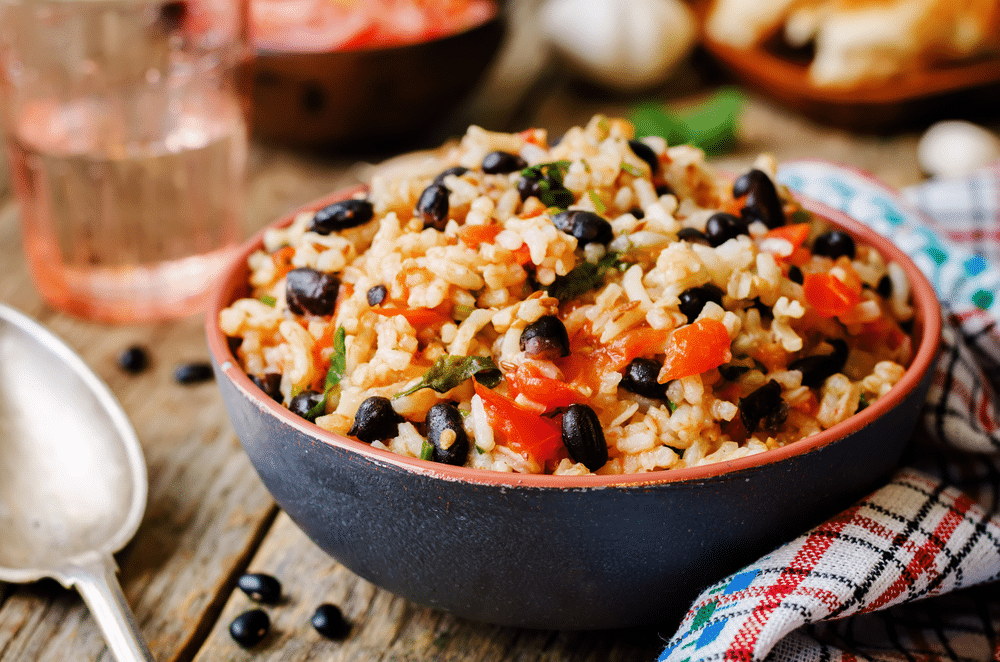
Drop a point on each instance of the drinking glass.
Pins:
(127, 142)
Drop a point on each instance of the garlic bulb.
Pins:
(954, 148)
(622, 44)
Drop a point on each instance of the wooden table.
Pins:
(209, 518)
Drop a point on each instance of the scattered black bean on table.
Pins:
(249, 628)
(134, 360)
(193, 373)
(329, 621)
(260, 587)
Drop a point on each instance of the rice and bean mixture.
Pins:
(593, 304)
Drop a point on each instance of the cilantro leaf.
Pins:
(583, 278)
(268, 300)
(427, 450)
(338, 366)
(710, 126)
(450, 371)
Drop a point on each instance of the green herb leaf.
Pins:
(672, 406)
(549, 176)
(338, 366)
(554, 171)
(450, 371)
(596, 199)
(338, 360)
(583, 278)
(800, 216)
(863, 403)
(558, 197)
(710, 126)
(268, 300)
(631, 169)
(427, 450)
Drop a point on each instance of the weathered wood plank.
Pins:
(207, 509)
(386, 627)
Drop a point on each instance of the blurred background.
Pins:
(337, 85)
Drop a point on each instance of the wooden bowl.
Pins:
(910, 101)
(562, 552)
(366, 98)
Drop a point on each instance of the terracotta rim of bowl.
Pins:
(924, 300)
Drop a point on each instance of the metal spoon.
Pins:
(72, 477)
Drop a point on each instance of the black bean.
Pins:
(693, 300)
(588, 227)
(545, 338)
(583, 437)
(499, 163)
(193, 373)
(270, 383)
(765, 404)
(766, 312)
(693, 235)
(134, 360)
(884, 287)
(646, 153)
(816, 368)
(172, 14)
(833, 244)
(375, 420)
(260, 587)
(304, 402)
(721, 227)
(329, 621)
(341, 216)
(458, 171)
(733, 372)
(376, 294)
(249, 628)
(795, 274)
(762, 201)
(432, 206)
(640, 378)
(637, 212)
(444, 416)
(311, 291)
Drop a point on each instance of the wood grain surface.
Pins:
(209, 518)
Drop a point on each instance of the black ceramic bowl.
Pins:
(564, 552)
(365, 98)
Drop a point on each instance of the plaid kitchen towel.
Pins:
(853, 588)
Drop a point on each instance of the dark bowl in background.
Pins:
(366, 98)
(559, 552)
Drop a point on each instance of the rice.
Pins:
(600, 306)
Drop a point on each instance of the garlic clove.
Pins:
(621, 44)
(955, 148)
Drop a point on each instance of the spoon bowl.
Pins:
(72, 476)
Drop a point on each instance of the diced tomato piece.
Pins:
(529, 381)
(533, 136)
(795, 234)
(828, 295)
(522, 255)
(523, 431)
(695, 348)
(585, 369)
(417, 317)
(733, 205)
(282, 259)
(632, 344)
(473, 235)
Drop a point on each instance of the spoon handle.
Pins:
(97, 581)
